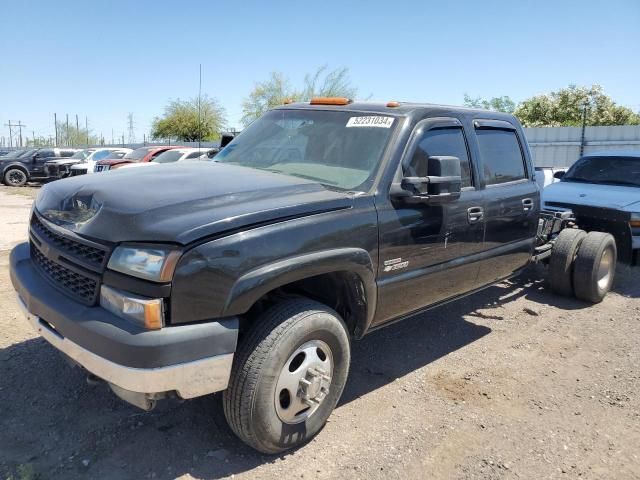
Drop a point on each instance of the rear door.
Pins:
(427, 250)
(512, 198)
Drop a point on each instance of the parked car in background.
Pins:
(142, 155)
(60, 167)
(545, 176)
(88, 164)
(3, 152)
(603, 191)
(29, 166)
(209, 154)
(173, 155)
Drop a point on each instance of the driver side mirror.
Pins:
(559, 174)
(443, 184)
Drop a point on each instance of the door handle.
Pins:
(475, 214)
(527, 204)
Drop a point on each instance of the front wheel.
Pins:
(15, 177)
(288, 376)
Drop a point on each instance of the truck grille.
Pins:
(85, 253)
(78, 171)
(79, 286)
(70, 264)
(52, 170)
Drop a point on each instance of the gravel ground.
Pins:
(512, 382)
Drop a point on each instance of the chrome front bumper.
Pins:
(188, 380)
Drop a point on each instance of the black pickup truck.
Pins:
(252, 274)
(17, 171)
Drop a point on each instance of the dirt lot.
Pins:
(512, 382)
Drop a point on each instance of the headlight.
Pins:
(150, 263)
(148, 312)
(635, 220)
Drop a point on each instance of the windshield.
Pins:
(137, 154)
(168, 156)
(336, 149)
(82, 154)
(605, 170)
(114, 155)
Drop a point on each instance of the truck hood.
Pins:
(589, 194)
(114, 161)
(63, 161)
(180, 203)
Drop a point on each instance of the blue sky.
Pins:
(104, 59)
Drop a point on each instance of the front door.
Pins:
(41, 156)
(427, 250)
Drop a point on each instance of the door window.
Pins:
(45, 154)
(447, 141)
(502, 159)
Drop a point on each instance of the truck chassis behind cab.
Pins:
(252, 275)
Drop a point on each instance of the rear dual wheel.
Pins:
(583, 264)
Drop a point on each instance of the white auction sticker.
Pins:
(370, 121)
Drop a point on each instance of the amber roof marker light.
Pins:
(330, 101)
(393, 104)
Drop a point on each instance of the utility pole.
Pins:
(66, 143)
(123, 139)
(10, 134)
(86, 127)
(55, 123)
(76, 136)
(33, 135)
(112, 139)
(11, 125)
(199, 109)
(584, 126)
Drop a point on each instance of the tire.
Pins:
(595, 267)
(563, 254)
(259, 410)
(15, 177)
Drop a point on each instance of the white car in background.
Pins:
(171, 156)
(88, 164)
(545, 176)
(603, 191)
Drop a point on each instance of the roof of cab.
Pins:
(403, 108)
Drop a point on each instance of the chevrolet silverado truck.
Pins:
(252, 274)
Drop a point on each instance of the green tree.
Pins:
(266, 95)
(70, 136)
(565, 107)
(187, 121)
(277, 89)
(497, 104)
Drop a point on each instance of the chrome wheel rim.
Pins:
(304, 382)
(16, 177)
(604, 269)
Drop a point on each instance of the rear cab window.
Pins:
(501, 155)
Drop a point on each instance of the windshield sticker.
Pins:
(370, 121)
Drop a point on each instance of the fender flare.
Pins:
(251, 286)
(18, 165)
